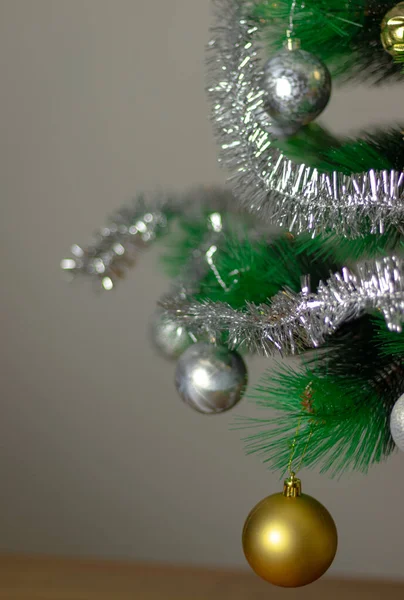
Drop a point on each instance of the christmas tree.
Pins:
(328, 287)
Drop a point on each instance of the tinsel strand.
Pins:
(295, 322)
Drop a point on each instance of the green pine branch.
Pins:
(389, 343)
(183, 241)
(316, 147)
(345, 35)
(252, 271)
(339, 402)
(242, 270)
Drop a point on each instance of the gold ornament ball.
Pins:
(290, 539)
(393, 30)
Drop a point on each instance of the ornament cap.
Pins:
(292, 43)
(292, 487)
(392, 33)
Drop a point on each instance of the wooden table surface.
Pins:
(58, 579)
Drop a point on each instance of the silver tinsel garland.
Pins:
(114, 247)
(136, 226)
(292, 322)
(290, 195)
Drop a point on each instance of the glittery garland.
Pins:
(115, 246)
(280, 191)
(135, 227)
(292, 322)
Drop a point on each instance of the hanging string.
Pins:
(299, 466)
(291, 17)
(293, 472)
(293, 43)
(290, 30)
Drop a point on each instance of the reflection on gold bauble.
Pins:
(290, 539)
(393, 30)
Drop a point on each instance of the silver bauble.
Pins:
(397, 423)
(298, 88)
(170, 339)
(211, 379)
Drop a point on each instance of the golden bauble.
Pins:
(393, 30)
(290, 539)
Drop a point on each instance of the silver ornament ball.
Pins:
(298, 88)
(211, 379)
(170, 339)
(397, 423)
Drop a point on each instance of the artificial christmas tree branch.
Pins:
(342, 397)
(345, 35)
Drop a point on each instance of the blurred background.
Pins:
(99, 457)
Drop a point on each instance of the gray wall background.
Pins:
(101, 98)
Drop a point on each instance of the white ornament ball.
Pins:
(211, 379)
(170, 339)
(397, 423)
